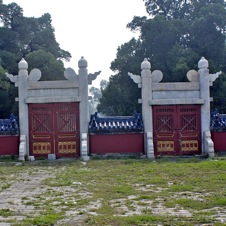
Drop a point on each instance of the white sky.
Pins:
(90, 28)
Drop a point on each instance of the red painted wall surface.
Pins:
(116, 143)
(219, 140)
(9, 145)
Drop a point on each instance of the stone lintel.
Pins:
(55, 99)
(61, 84)
(176, 101)
(178, 86)
(191, 94)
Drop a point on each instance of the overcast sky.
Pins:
(90, 28)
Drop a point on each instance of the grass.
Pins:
(5, 212)
(175, 191)
(47, 218)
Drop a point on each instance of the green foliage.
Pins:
(8, 61)
(120, 95)
(4, 84)
(6, 95)
(50, 218)
(174, 38)
(30, 38)
(51, 68)
(6, 212)
(96, 95)
(218, 93)
(169, 9)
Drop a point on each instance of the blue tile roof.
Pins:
(115, 124)
(218, 121)
(9, 126)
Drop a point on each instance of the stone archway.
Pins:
(73, 90)
(156, 93)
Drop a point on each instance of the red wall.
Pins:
(219, 140)
(9, 145)
(109, 143)
(116, 143)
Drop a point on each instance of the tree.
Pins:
(169, 9)
(174, 38)
(5, 92)
(22, 35)
(51, 68)
(120, 97)
(96, 94)
(95, 97)
(30, 38)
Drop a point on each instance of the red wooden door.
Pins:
(189, 129)
(176, 130)
(40, 129)
(66, 124)
(54, 129)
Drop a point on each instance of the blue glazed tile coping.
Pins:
(115, 124)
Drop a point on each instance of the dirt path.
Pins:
(25, 195)
(26, 190)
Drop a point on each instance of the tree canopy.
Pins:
(174, 38)
(30, 38)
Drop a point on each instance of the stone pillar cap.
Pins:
(203, 63)
(145, 64)
(82, 63)
(23, 64)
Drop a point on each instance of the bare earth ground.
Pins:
(28, 186)
(26, 194)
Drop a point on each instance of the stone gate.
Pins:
(53, 115)
(176, 116)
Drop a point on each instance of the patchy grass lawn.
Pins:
(167, 191)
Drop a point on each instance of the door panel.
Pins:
(164, 130)
(176, 129)
(189, 129)
(40, 129)
(54, 129)
(67, 129)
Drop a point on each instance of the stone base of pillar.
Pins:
(84, 147)
(22, 148)
(149, 145)
(51, 157)
(208, 144)
(85, 158)
(31, 158)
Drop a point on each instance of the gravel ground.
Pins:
(25, 194)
